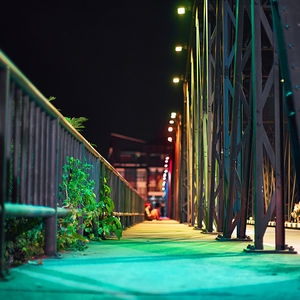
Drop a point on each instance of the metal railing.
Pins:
(35, 140)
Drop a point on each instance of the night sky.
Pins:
(111, 62)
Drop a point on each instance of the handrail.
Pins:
(23, 81)
(35, 141)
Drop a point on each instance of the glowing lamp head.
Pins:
(170, 139)
(170, 128)
(171, 122)
(176, 80)
(178, 48)
(173, 115)
(181, 10)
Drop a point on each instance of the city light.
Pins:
(165, 165)
(173, 115)
(178, 48)
(167, 157)
(171, 122)
(170, 128)
(170, 139)
(176, 80)
(181, 10)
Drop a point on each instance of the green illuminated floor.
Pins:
(159, 260)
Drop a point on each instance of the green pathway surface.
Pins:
(159, 260)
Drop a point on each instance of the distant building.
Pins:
(141, 163)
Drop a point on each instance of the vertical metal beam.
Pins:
(216, 167)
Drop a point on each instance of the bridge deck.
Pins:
(159, 260)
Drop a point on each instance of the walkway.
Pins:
(159, 260)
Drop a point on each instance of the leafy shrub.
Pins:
(96, 219)
(24, 239)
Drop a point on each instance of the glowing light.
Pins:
(170, 139)
(163, 189)
(176, 80)
(173, 115)
(171, 122)
(167, 157)
(165, 171)
(178, 48)
(165, 165)
(170, 128)
(181, 10)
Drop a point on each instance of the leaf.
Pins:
(51, 98)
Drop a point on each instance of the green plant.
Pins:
(24, 239)
(109, 223)
(77, 122)
(77, 192)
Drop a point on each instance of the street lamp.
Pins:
(176, 80)
(170, 139)
(178, 48)
(173, 115)
(181, 10)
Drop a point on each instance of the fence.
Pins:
(35, 140)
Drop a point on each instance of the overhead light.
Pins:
(178, 48)
(170, 128)
(171, 122)
(167, 157)
(170, 139)
(173, 115)
(176, 79)
(165, 165)
(181, 10)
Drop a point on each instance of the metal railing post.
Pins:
(51, 222)
(4, 81)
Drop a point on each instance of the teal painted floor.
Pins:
(159, 260)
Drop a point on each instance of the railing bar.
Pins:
(31, 139)
(68, 145)
(60, 159)
(24, 150)
(42, 161)
(48, 162)
(36, 169)
(16, 146)
(10, 136)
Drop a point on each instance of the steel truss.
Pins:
(232, 163)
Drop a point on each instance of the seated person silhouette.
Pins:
(155, 212)
(151, 214)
